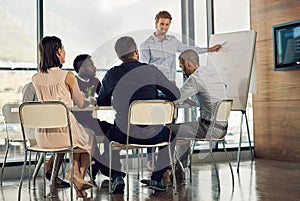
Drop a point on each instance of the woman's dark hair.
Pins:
(48, 49)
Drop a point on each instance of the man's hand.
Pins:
(215, 48)
(92, 100)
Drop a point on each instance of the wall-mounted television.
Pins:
(286, 45)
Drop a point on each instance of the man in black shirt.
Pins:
(90, 86)
(123, 84)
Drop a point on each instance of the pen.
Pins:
(224, 43)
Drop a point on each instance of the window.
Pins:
(84, 26)
(231, 16)
(18, 50)
(18, 33)
(92, 27)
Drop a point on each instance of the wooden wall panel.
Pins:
(277, 102)
(277, 133)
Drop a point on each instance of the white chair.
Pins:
(11, 117)
(45, 115)
(221, 114)
(146, 112)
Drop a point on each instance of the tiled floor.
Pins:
(260, 180)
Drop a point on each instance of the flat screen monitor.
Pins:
(286, 44)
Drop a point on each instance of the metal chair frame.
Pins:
(48, 114)
(147, 118)
(220, 114)
(10, 112)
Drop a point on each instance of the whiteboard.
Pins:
(234, 63)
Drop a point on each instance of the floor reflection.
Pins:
(260, 180)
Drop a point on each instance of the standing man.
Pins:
(209, 88)
(123, 84)
(160, 50)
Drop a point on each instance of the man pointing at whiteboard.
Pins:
(160, 49)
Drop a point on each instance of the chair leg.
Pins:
(190, 157)
(127, 172)
(72, 173)
(22, 176)
(232, 176)
(44, 156)
(36, 170)
(177, 160)
(142, 162)
(29, 170)
(63, 167)
(153, 157)
(4, 161)
(215, 165)
(109, 183)
(138, 154)
(91, 171)
(53, 175)
(173, 170)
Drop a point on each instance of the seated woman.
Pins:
(29, 94)
(52, 83)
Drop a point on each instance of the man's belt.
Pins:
(217, 125)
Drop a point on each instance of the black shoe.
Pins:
(95, 169)
(118, 185)
(93, 182)
(63, 184)
(48, 176)
(145, 181)
(59, 183)
(158, 186)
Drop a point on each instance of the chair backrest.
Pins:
(220, 115)
(47, 114)
(43, 114)
(11, 113)
(151, 112)
(223, 110)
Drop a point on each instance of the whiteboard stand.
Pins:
(234, 63)
(240, 141)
